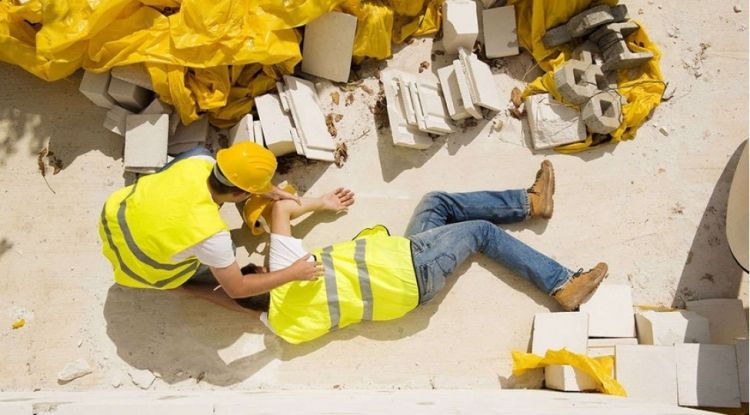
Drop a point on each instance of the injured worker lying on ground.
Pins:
(377, 276)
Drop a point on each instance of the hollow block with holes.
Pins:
(602, 112)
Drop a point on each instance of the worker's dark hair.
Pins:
(260, 302)
(217, 182)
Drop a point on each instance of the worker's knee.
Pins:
(433, 198)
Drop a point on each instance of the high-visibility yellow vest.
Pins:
(144, 225)
(369, 278)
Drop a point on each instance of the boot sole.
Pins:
(590, 287)
(550, 190)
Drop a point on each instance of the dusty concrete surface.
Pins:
(653, 208)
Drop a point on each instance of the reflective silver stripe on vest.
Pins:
(134, 247)
(364, 279)
(332, 294)
(129, 272)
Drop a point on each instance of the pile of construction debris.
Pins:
(695, 357)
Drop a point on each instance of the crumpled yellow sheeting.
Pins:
(599, 368)
(643, 86)
(196, 55)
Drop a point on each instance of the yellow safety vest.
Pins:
(369, 278)
(144, 225)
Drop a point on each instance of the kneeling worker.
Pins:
(158, 231)
(377, 276)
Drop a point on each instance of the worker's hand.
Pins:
(278, 194)
(339, 200)
(304, 270)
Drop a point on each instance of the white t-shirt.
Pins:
(216, 250)
(283, 252)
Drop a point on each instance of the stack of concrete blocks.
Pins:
(614, 49)
(146, 142)
(460, 25)
(554, 331)
(416, 108)
(189, 136)
(582, 83)
(276, 125)
(647, 372)
(299, 98)
(584, 23)
(327, 48)
(499, 32)
(552, 123)
(468, 85)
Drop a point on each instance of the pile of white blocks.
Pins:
(675, 359)
(327, 48)
(149, 126)
(461, 28)
(290, 121)
(460, 25)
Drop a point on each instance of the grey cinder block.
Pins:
(602, 113)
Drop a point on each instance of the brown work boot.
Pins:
(579, 286)
(540, 193)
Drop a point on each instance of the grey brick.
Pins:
(556, 36)
(620, 13)
(602, 112)
(588, 20)
(572, 83)
(627, 60)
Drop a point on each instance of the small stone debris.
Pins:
(516, 113)
(331, 126)
(335, 97)
(116, 380)
(669, 92)
(424, 65)
(340, 155)
(74, 370)
(349, 99)
(737, 8)
(338, 117)
(142, 378)
(367, 89)
(516, 97)
(664, 131)
(673, 32)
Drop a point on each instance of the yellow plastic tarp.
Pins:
(643, 86)
(197, 52)
(600, 369)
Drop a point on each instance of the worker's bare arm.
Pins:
(285, 210)
(237, 285)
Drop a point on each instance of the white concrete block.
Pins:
(309, 152)
(484, 90)
(307, 115)
(115, 119)
(742, 367)
(460, 25)
(242, 131)
(647, 372)
(431, 103)
(499, 32)
(726, 318)
(135, 74)
(403, 134)
(275, 124)
(554, 331)
(157, 107)
(196, 133)
(407, 98)
(94, 86)
(567, 378)
(258, 133)
(464, 87)
(707, 375)
(551, 123)
(610, 310)
(672, 328)
(146, 141)
(327, 46)
(451, 93)
(130, 96)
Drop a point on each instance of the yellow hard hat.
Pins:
(257, 210)
(248, 166)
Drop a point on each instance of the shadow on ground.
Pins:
(710, 269)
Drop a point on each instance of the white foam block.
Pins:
(275, 124)
(146, 142)
(484, 90)
(672, 328)
(134, 74)
(567, 378)
(115, 119)
(610, 310)
(94, 86)
(551, 123)
(242, 131)
(499, 32)
(327, 47)
(554, 331)
(452, 94)
(464, 88)
(130, 96)
(307, 115)
(460, 25)
(647, 372)
(707, 375)
(403, 134)
(433, 107)
(726, 318)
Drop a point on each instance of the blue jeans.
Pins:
(448, 227)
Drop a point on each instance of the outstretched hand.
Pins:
(339, 200)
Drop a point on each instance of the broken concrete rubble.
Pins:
(451, 93)
(404, 134)
(460, 25)
(551, 123)
(584, 23)
(499, 32)
(300, 98)
(432, 116)
(94, 86)
(616, 53)
(130, 96)
(602, 113)
(647, 372)
(464, 88)
(483, 88)
(327, 50)
(276, 125)
(146, 140)
(707, 375)
(114, 119)
(673, 327)
(74, 370)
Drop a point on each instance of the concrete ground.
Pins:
(653, 208)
